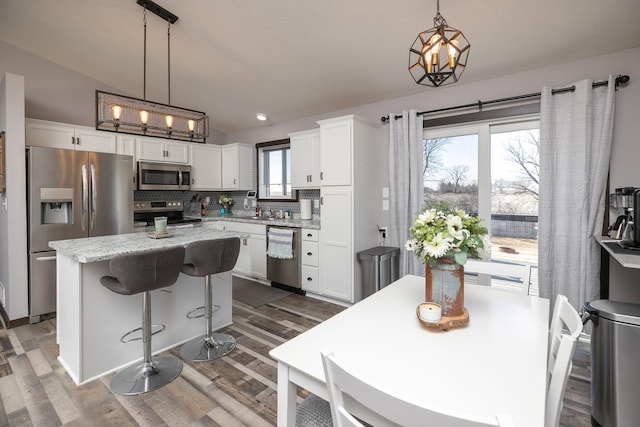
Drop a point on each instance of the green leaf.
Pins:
(461, 257)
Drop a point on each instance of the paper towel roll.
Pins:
(305, 208)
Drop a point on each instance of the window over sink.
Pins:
(274, 171)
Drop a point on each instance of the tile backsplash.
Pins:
(238, 200)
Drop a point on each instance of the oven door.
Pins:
(163, 176)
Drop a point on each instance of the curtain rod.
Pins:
(620, 79)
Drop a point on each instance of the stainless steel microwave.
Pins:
(163, 176)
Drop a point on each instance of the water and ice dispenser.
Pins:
(56, 206)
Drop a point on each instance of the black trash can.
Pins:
(380, 266)
(615, 367)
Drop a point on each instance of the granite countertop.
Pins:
(313, 224)
(92, 249)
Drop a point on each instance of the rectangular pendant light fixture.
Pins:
(124, 114)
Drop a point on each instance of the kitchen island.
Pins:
(91, 319)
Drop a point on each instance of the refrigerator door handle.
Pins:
(85, 197)
(94, 197)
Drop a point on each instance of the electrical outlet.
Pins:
(385, 205)
(385, 192)
(383, 232)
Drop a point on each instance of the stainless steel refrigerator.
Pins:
(71, 194)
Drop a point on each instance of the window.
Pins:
(490, 169)
(274, 171)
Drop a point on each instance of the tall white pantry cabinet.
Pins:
(352, 176)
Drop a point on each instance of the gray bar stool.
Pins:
(202, 259)
(142, 273)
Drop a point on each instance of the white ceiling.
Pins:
(297, 58)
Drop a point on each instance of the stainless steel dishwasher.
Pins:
(286, 273)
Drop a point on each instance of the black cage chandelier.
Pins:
(125, 114)
(439, 55)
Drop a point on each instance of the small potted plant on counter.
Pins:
(226, 201)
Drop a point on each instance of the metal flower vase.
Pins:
(445, 286)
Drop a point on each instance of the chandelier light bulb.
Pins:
(117, 111)
(144, 116)
(453, 52)
(168, 119)
(191, 124)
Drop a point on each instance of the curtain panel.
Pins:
(575, 146)
(406, 188)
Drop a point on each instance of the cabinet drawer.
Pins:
(309, 253)
(310, 235)
(310, 280)
(241, 227)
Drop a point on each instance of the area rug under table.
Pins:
(255, 294)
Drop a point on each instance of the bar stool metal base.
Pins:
(203, 349)
(141, 378)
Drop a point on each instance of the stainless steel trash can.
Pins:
(615, 370)
(380, 266)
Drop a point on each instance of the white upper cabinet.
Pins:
(206, 162)
(162, 150)
(336, 138)
(237, 167)
(43, 133)
(305, 159)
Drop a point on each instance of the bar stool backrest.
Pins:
(145, 271)
(211, 256)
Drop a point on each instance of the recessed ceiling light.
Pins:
(261, 116)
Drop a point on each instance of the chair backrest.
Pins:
(207, 257)
(566, 326)
(521, 272)
(347, 392)
(145, 271)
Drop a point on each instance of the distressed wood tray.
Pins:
(447, 322)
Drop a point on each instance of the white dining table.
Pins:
(494, 365)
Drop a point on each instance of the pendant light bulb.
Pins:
(117, 112)
(168, 119)
(191, 124)
(144, 116)
(452, 47)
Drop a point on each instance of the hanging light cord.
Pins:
(169, 61)
(144, 61)
(439, 20)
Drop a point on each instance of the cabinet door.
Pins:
(206, 163)
(243, 263)
(335, 152)
(176, 152)
(229, 168)
(88, 139)
(336, 243)
(41, 133)
(305, 159)
(257, 255)
(150, 149)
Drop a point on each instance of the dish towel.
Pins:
(280, 243)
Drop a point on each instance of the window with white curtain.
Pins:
(490, 169)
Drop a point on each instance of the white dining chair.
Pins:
(522, 272)
(566, 326)
(348, 393)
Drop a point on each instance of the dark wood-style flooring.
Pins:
(237, 390)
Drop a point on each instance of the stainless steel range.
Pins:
(172, 209)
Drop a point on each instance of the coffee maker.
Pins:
(622, 201)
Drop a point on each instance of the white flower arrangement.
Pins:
(225, 199)
(447, 233)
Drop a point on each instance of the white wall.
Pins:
(13, 213)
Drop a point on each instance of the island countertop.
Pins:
(93, 249)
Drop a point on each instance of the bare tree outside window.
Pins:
(523, 150)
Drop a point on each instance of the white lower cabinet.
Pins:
(309, 260)
(252, 260)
